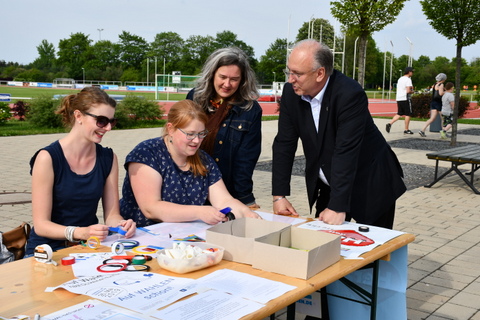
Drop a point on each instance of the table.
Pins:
(469, 154)
(24, 281)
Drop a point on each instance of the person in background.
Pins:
(169, 178)
(227, 92)
(71, 175)
(351, 171)
(448, 104)
(436, 104)
(404, 101)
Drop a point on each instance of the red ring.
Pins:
(122, 266)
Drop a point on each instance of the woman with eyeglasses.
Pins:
(71, 175)
(169, 178)
(227, 92)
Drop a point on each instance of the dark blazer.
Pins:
(364, 174)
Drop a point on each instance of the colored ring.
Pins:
(67, 261)
(117, 247)
(138, 248)
(139, 260)
(121, 267)
(129, 244)
(114, 261)
(93, 242)
(138, 267)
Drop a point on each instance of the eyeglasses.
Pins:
(296, 75)
(191, 136)
(102, 121)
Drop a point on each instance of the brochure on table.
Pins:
(355, 242)
(94, 309)
(235, 293)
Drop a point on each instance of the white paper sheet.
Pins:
(138, 291)
(94, 310)
(276, 217)
(243, 285)
(212, 305)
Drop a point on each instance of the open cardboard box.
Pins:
(237, 236)
(296, 252)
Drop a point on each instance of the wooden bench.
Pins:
(469, 154)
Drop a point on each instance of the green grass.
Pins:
(30, 92)
(25, 128)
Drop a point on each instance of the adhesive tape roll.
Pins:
(363, 229)
(43, 253)
(118, 247)
(139, 260)
(67, 261)
(93, 243)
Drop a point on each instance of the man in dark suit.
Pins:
(351, 171)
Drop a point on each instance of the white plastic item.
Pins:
(186, 257)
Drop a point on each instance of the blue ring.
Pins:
(129, 244)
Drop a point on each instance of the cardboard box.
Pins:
(238, 236)
(296, 252)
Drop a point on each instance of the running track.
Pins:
(377, 108)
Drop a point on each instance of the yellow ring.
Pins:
(136, 250)
(93, 242)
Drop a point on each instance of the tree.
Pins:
(362, 18)
(272, 63)
(167, 47)
(195, 53)
(46, 59)
(105, 55)
(455, 19)
(133, 50)
(320, 29)
(226, 39)
(73, 54)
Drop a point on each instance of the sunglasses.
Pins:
(102, 121)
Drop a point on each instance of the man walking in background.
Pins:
(404, 102)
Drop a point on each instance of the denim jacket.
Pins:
(237, 148)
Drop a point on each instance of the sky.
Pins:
(25, 23)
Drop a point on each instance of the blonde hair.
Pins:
(180, 115)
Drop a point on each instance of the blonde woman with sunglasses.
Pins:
(71, 175)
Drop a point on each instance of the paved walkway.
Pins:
(443, 261)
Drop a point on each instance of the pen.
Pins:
(226, 210)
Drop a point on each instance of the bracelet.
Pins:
(69, 233)
(280, 198)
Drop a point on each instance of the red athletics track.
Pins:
(377, 108)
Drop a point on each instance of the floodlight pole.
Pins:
(391, 64)
(410, 59)
(148, 66)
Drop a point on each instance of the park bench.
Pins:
(469, 154)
